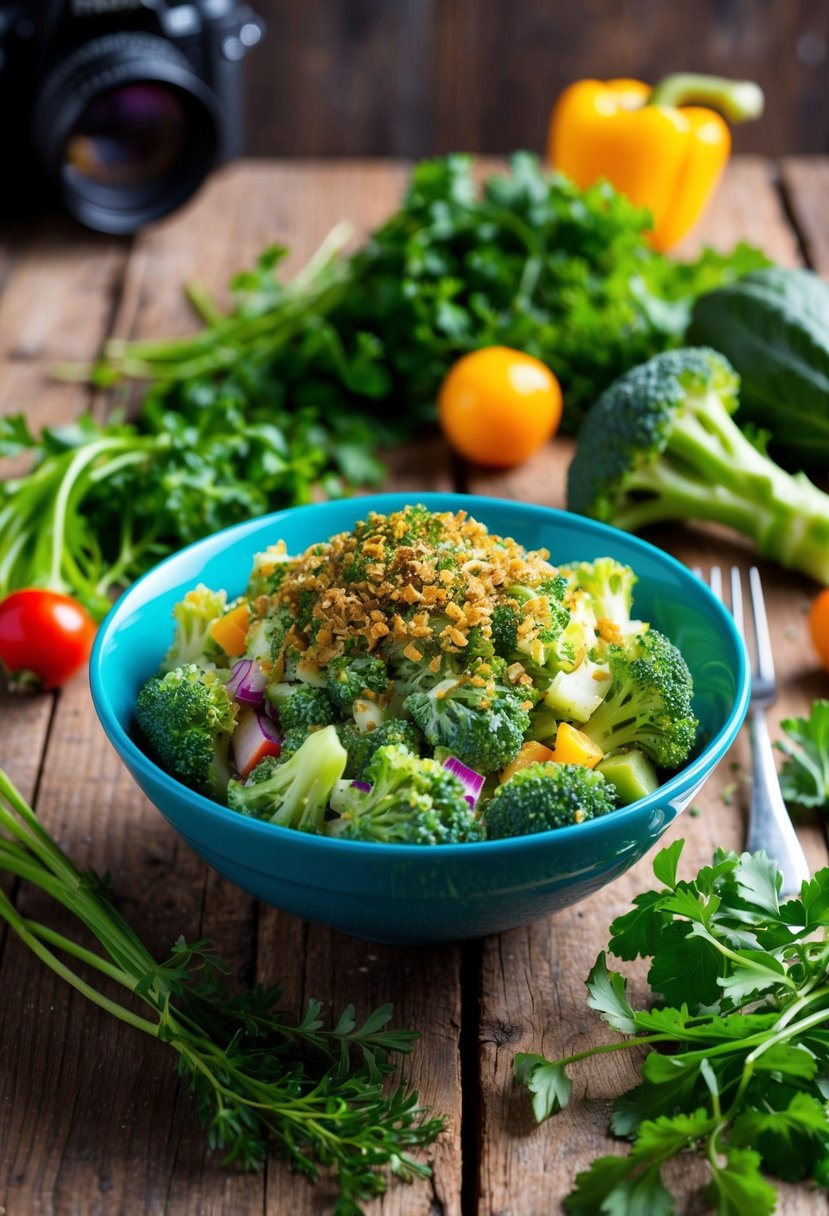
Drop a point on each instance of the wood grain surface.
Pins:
(92, 1118)
(416, 77)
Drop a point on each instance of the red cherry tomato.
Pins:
(45, 637)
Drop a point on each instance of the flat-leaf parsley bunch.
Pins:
(737, 1064)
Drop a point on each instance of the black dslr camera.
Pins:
(118, 109)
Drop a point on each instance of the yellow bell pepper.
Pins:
(665, 148)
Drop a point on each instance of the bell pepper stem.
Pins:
(736, 100)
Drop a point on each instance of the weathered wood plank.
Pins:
(56, 288)
(411, 77)
(532, 981)
(805, 184)
(113, 1130)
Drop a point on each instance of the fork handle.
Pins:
(769, 825)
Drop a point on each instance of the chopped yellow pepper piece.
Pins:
(231, 630)
(575, 747)
(530, 753)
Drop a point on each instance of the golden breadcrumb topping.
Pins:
(422, 581)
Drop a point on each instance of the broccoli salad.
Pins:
(419, 681)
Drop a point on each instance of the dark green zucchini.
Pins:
(773, 326)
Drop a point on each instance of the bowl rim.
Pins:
(669, 792)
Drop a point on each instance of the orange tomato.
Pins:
(819, 625)
(497, 406)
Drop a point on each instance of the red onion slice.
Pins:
(268, 728)
(365, 786)
(472, 782)
(247, 682)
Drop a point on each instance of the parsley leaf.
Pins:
(804, 777)
(737, 1056)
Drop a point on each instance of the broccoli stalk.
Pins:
(187, 716)
(660, 444)
(297, 793)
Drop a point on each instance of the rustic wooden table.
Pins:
(92, 1117)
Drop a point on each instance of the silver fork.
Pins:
(769, 825)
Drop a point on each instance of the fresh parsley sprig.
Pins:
(737, 1063)
(804, 777)
(319, 1094)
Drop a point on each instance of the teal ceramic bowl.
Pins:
(404, 893)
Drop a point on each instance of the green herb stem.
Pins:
(32, 940)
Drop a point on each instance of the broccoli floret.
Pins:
(296, 793)
(412, 800)
(362, 745)
(648, 704)
(192, 642)
(415, 675)
(305, 707)
(505, 629)
(292, 741)
(608, 586)
(482, 723)
(349, 678)
(544, 796)
(660, 444)
(264, 769)
(558, 638)
(187, 716)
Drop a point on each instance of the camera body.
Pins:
(118, 109)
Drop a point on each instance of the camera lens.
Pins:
(129, 137)
(126, 130)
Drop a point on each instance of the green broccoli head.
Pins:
(187, 716)
(544, 796)
(649, 703)
(412, 800)
(348, 678)
(626, 436)
(292, 741)
(264, 769)
(361, 745)
(660, 444)
(306, 706)
(415, 675)
(296, 793)
(479, 721)
(193, 616)
(548, 636)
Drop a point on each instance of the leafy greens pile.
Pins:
(290, 391)
(737, 1064)
(314, 1092)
